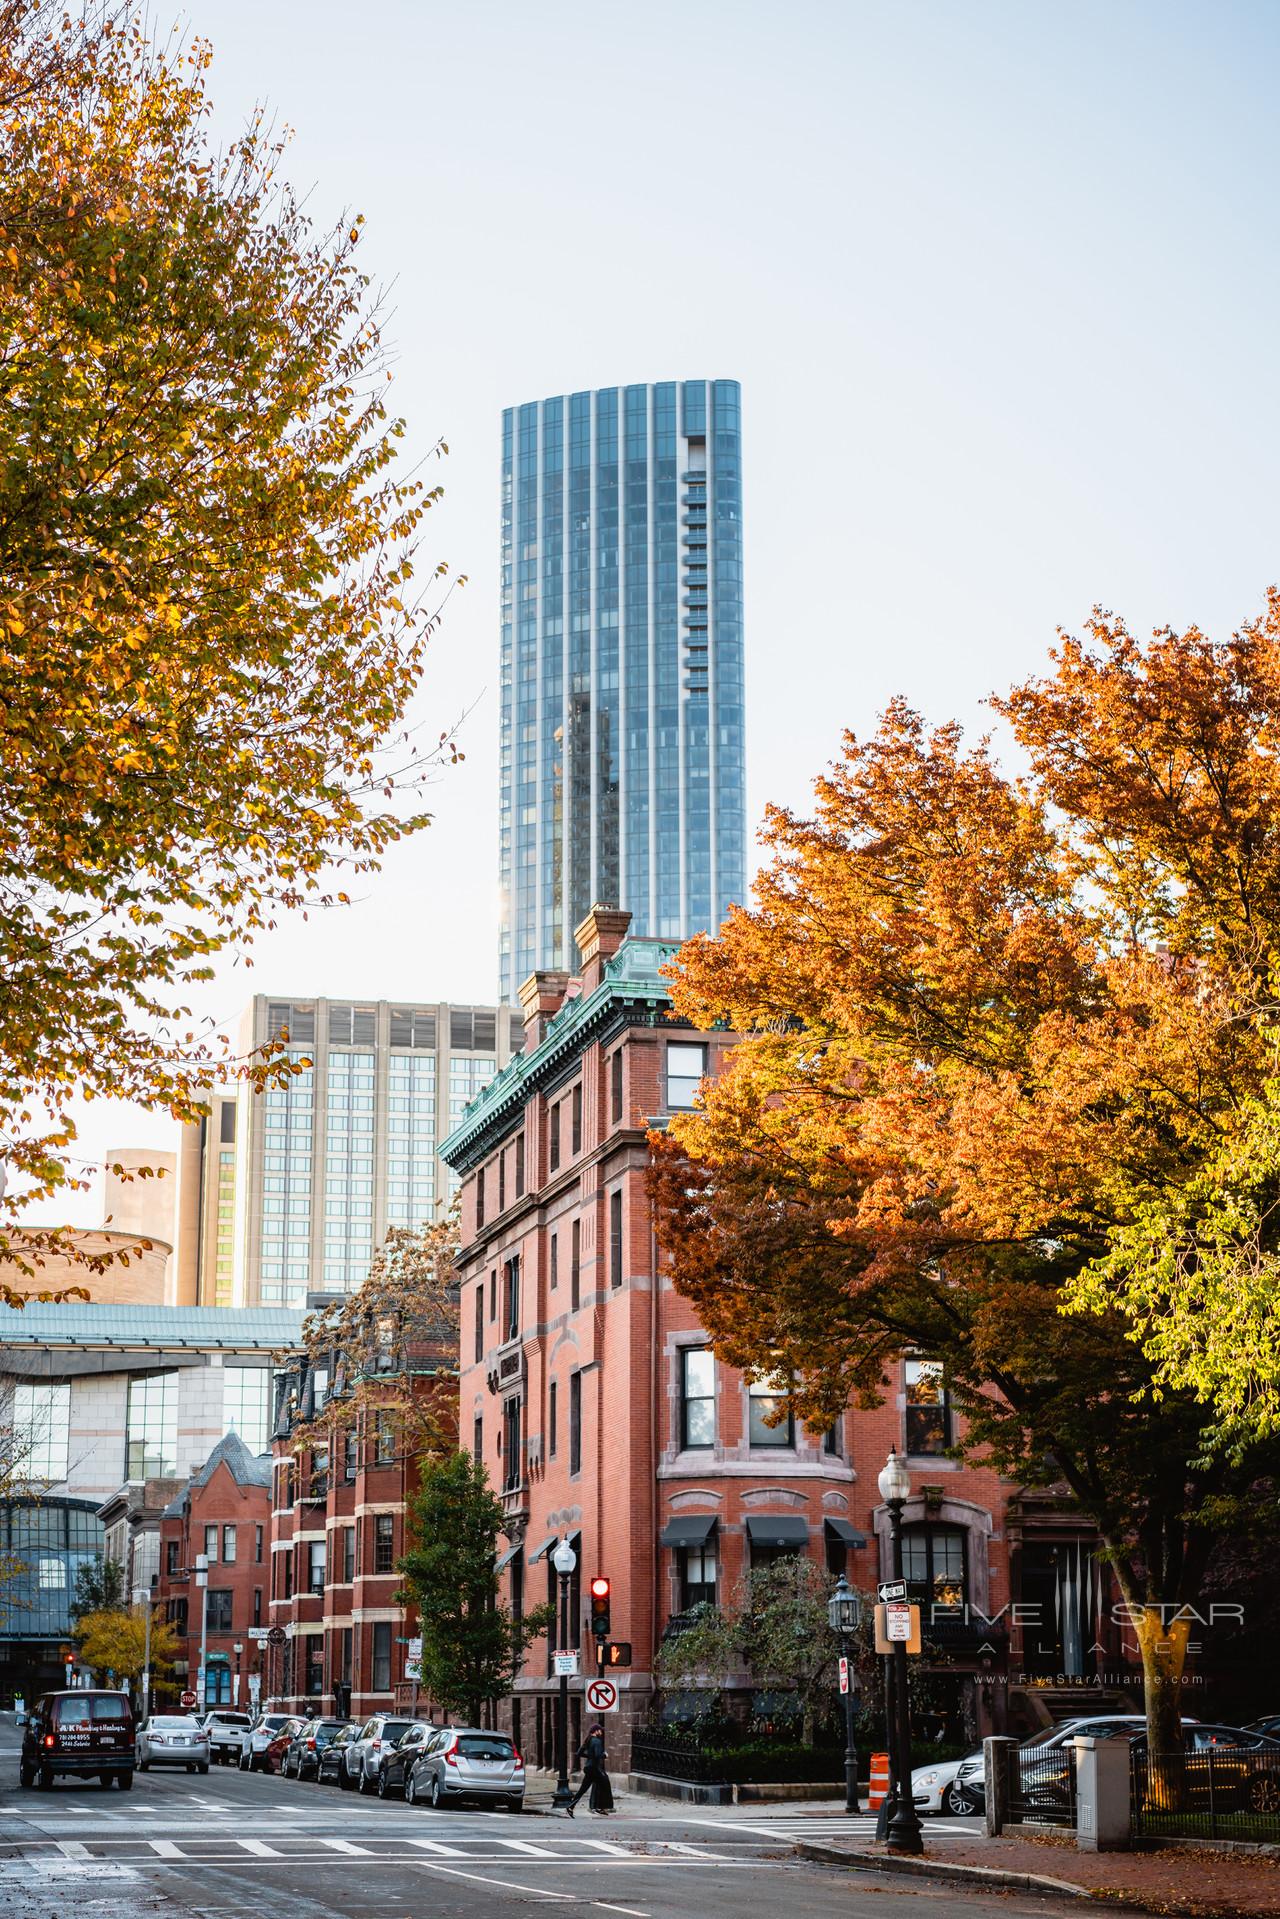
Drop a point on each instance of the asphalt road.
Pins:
(231, 1845)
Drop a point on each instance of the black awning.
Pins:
(546, 1546)
(777, 1529)
(687, 1529)
(507, 1557)
(847, 1535)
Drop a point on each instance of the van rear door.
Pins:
(112, 1722)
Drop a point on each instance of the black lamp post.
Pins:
(844, 1609)
(564, 1559)
(904, 1834)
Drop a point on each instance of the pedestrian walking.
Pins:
(595, 1779)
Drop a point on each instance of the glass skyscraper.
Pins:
(622, 757)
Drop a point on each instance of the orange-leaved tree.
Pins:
(984, 1022)
(209, 636)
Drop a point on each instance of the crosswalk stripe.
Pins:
(166, 1849)
(439, 1849)
(526, 1846)
(607, 1845)
(260, 1849)
(347, 1846)
(73, 1849)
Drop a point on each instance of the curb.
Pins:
(939, 1869)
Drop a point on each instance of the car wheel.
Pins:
(344, 1779)
(190, 1768)
(959, 1801)
(44, 1778)
(1263, 1793)
(104, 1779)
(26, 1776)
(363, 1781)
(515, 1805)
(144, 1765)
(203, 1769)
(410, 1792)
(435, 1792)
(383, 1785)
(125, 1781)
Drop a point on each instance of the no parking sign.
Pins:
(602, 1695)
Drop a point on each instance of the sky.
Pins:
(999, 282)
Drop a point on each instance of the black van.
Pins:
(81, 1732)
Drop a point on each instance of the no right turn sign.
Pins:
(602, 1695)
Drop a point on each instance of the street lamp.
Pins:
(844, 1610)
(237, 1649)
(202, 1581)
(141, 1597)
(564, 1559)
(903, 1833)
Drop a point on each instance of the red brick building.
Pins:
(224, 1511)
(588, 1387)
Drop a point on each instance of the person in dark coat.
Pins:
(595, 1779)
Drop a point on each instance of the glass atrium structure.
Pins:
(622, 754)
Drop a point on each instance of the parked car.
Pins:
(277, 1746)
(935, 1788)
(255, 1742)
(83, 1732)
(1245, 1773)
(394, 1763)
(310, 1739)
(465, 1762)
(173, 1739)
(360, 1754)
(1270, 1726)
(331, 1759)
(226, 1732)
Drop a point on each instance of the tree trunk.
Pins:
(1164, 1649)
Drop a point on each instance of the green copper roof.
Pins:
(631, 977)
(172, 1327)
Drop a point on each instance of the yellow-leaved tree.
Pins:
(209, 637)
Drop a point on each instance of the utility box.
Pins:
(1102, 1795)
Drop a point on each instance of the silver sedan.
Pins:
(173, 1739)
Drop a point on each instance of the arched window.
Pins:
(934, 1566)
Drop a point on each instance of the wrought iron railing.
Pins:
(1042, 1786)
(1219, 1792)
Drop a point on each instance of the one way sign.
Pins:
(891, 1589)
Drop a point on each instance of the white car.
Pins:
(255, 1742)
(226, 1732)
(173, 1739)
(936, 1788)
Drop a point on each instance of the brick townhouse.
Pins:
(588, 1387)
(224, 1511)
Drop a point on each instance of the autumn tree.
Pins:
(114, 1642)
(209, 636)
(985, 1025)
(473, 1647)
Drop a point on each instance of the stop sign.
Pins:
(187, 1700)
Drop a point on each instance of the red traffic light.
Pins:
(600, 1607)
(599, 1589)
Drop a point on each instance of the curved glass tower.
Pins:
(622, 759)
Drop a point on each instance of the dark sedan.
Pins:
(331, 1759)
(395, 1762)
(302, 1759)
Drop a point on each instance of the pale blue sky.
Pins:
(999, 282)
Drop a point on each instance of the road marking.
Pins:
(607, 1846)
(604, 1906)
(527, 1846)
(166, 1849)
(507, 1885)
(436, 1846)
(347, 1846)
(260, 1849)
(694, 1852)
(73, 1849)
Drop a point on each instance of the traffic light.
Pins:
(618, 1652)
(600, 1608)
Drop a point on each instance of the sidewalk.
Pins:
(1192, 1881)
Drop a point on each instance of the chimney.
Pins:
(598, 938)
(541, 996)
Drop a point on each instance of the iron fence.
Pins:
(1042, 1786)
(1219, 1792)
(671, 1759)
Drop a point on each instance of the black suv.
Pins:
(85, 1732)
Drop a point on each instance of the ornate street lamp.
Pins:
(903, 1832)
(564, 1559)
(237, 1649)
(142, 1597)
(844, 1610)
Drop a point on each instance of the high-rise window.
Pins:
(257, 1545)
(480, 1179)
(576, 1122)
(152, 1444)
(512, 1269)
(219, 1613)
(384, 1446)
(512, 1450)
(479, 1332)
(575, 1422)
(519, 1153)
(933, 1562)
(928, 1407)
(350, 1458)
(697, 1397)
(348, 1554)
(698, 1575)
(768, 1397)
(381, 1675)
(228, 1545)
(42, 1430)
(575, 1265)
(257, 1605)
(615, 1085)
(553, 1136)
(384, 1543)
(555, 1262)
(477, 1438)
(211, 1544)
(615, 1237)
(315, 1566)
(686, 1069)
(552, 1391)
(246, 1404)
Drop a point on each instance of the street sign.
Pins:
(255, 1687)
(618, 1652)
(602, 1695)
(415, 1649)
(277, 1636)
(844, 1675)
(259, 1634)
(413, 1667)
(897, 1621)
(566, 1665)
(891, 1589)
(187, 1700)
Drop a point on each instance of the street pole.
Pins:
(843, 1611)
(564, 1559)
(141, 1597)
(237, 1649)
(904, 1834)
(202, 1581)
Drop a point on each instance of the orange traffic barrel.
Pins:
(879, 1780)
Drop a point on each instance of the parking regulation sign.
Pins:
(602, 1695)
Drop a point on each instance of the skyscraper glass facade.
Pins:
(622, 749)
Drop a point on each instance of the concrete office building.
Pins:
(622, 758)
(292, 1191)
